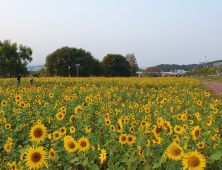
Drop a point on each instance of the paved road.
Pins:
(217, 87)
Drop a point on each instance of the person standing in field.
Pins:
(31, 79)
(18, 78)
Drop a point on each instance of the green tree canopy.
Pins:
(14, 59)
(62, 63)
(152, 72)
(133, 63)
(116, 66)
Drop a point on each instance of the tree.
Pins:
(13, 59)
(116, 66)
(152, 72)
(62, 63)
(133, 63)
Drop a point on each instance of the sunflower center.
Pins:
(178, 129)
(62, 130)
(35, 157)
(38, 132)
(193, 161)
(130, 139)
(201, 145)
(158, 130)
(123, 138)
(56, 135)
(83, 144)
(175, 151)
(197, 133)
(71, 145)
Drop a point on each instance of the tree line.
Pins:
(14, 59)
(205, 71)
(188, 67)
(62, 62)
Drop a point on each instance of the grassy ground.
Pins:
(213, 79)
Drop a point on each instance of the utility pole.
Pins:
(205, 62)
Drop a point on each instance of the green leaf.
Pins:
(210, 161)
(133, 166)
(85, 161)
(156, 165)
(142, 140)
(135, 157)
(94, 167)
(121, 168)
(70, 168)
(158, 148)
(162, 160)
(145, 150)
(147, 167)
(66, 167)
(108, 142)
(117, 164)
(76, 159)
(215, 156)
(172, 167)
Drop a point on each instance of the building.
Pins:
(179, 71)
(217, 64)
(139, 74)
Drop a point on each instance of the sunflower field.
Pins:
(109, 123)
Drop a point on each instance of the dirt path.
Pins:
(217, 87)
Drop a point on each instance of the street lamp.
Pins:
(77, 66)
(69, 71)
(131, 70)
(55, 71)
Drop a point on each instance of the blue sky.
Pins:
(157, 31)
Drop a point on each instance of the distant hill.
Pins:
(35, 67)
(189, 67)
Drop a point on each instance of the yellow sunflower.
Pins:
(72, 118)
(123, 139)
(194, 161)
(201, 145)
(59, 116)
(51, 95)
(196, 133)
(130, 139)
(178, 129)
(112, 128)
(4, 103)
(157, 140)
(63, 130)
(56, 135)
(7, 126)
(52, 154)
(70, 145)
(72, 129)
(36, 157)
(78, 109)
(22, 156)
(38, 133)
(88, 129)
(18, 98)
(13, 165)
(175, 152)
(157, 130)
(7, 147)
(83, 144)
(102, 155)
